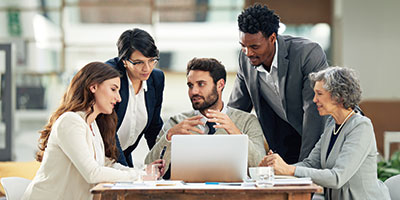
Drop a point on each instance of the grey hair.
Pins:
(342, 83)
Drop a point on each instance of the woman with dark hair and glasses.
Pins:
(141, 92)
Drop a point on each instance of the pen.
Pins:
(163, 152)
(211, 183)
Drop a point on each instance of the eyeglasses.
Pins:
(140, 64)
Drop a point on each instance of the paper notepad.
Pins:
(293, 181)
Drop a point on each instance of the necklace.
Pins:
(91, 129)
(94, 147)
(335, 132)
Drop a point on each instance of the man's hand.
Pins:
(185, 127)
(223, 121)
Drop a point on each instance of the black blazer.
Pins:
(153, 99)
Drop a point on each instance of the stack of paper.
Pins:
(293, 181)
(284, 181)
(143, 184)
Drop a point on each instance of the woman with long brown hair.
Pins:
(77, 147)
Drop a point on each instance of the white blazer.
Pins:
(69, 168)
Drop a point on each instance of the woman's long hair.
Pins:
(78, 97)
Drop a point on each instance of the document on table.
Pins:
(142, 184)
(214, 185)
(284, 177)
(293, 181)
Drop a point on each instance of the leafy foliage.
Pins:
(389, 168)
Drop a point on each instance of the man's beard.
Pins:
(208, 102)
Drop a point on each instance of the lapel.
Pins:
(88, 133)
(325, 144)
(253, 84)
(338, 144)
(283, 65)
(124, 92)
(150, 99)
(330, 162)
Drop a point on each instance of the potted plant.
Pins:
(389, 168)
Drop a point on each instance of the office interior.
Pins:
(51, 40)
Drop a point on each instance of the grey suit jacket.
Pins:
(297, 57)
(247, 123)
(350, 172)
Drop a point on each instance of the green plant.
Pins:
(389, 168)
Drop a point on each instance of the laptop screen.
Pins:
(209, 158)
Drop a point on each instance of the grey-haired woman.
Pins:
(344, 159)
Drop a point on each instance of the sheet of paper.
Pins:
(212, 186)
(293, 181)
(144, 184)
(284, 177)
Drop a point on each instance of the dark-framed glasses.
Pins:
(140, 63)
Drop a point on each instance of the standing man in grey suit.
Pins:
(273, 78)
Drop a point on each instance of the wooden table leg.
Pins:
(97, 197)
(299, 196)
(121, 196)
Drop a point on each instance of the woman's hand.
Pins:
(160, 167)
(280, 166)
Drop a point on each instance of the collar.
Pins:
(82, 114)
(144, 83)
(204, 118)
(274, 63)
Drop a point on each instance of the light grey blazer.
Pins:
(350, 172)
(297, 57)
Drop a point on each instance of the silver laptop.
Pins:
(209, 158)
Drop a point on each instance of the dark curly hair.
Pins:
(258, 18)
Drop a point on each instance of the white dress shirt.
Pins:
(135, 118)
(269, 83)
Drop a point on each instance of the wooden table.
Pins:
(233, 192)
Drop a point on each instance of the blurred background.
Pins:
(51, 40)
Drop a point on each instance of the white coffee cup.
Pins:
(264, 172)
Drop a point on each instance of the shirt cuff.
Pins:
(165, 138)
(299, 171)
